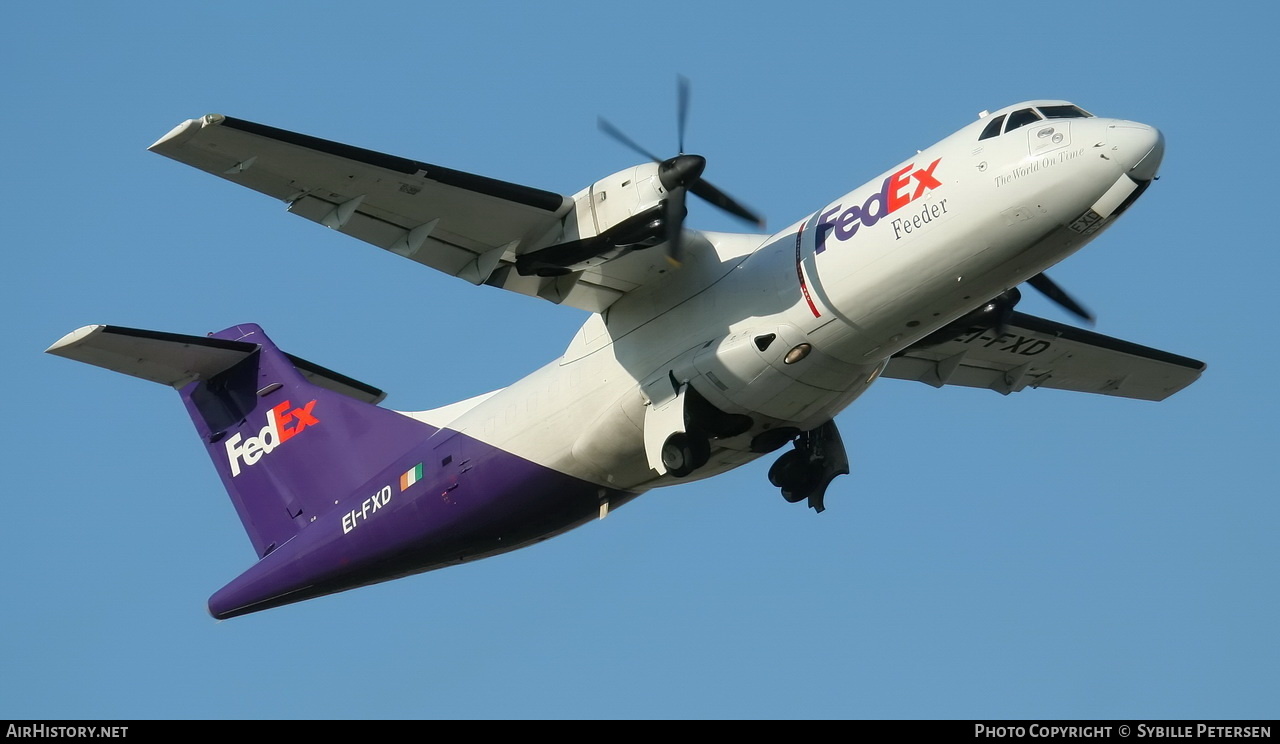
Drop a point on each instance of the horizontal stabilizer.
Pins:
(177, 359)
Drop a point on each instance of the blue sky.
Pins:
(1044, 555)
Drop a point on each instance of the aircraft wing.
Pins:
(465, 225)
(1034, 352)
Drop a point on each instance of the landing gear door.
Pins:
(663, 417)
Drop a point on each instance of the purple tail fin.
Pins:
(290, 439)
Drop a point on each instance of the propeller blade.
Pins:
(617, 134)
(674, 225)
(720, 199)
(1050, 289)
(682, 110)
(1001, 309)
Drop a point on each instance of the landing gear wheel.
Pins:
(684, 453)
(789, 470)
(794, 475)
(805, 472)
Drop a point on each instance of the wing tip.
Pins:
(185, 131)
(64, 345)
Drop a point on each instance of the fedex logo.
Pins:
(275, 433)
(897, 191)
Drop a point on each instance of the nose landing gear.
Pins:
(806, 471)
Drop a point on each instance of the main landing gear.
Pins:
(685, 451)
(806, 471)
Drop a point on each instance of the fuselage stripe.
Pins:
(804, 288)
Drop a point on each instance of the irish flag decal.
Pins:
(411, 476)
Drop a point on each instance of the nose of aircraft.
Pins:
(1140, 146)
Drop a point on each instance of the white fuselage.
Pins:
(857, 280)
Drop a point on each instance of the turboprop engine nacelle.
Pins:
(615, 215)
(614, 199)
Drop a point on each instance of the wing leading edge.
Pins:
(1034, 352)
(462, 224)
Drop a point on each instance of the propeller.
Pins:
(1051, 290)
(997, 312)
(681, 174)
(1000, 309)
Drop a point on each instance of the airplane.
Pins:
(701, 351)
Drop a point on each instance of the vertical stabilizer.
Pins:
(287, 449)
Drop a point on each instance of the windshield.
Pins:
(1022, 117)
(1064, 112)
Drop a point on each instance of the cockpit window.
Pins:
(1021, 118)
(1064, 112)
(993, 128)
